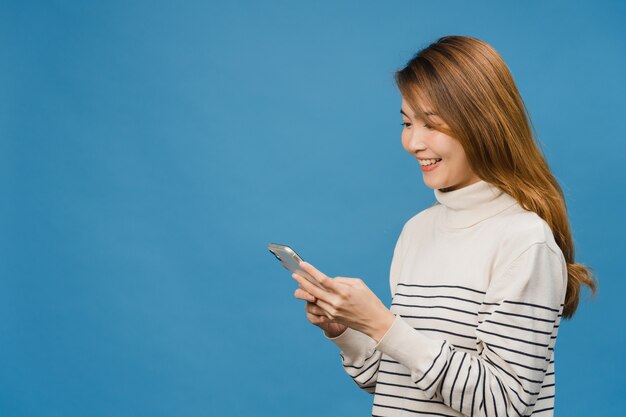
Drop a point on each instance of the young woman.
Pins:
(479, 280)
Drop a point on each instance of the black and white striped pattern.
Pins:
(454, 350)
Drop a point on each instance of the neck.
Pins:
(452, 188)
(467, 206)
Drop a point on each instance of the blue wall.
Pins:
(150, 150)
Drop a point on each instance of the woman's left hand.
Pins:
(348, 301)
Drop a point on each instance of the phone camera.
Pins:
(273, 253)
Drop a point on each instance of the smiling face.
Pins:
(423, 142)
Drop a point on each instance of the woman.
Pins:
(480, 280)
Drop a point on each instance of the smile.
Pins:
(429, 164)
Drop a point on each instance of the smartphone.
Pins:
(291, 261)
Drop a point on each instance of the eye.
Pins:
(407, 124)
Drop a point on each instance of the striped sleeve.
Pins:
(516, 334)
(359, 358)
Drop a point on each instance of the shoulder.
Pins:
(520, 229)
(528, 259)
(422, 220)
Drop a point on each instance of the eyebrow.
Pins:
(427, 113)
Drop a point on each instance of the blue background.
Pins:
(150, 150)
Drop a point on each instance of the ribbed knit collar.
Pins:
(472, 204)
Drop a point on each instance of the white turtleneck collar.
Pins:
(472, 204)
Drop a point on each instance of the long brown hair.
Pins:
(466, 82)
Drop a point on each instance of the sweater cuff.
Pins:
(354, 345)
(409, 347)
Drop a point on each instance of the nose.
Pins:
(415, 142)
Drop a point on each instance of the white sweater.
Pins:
(478, 285)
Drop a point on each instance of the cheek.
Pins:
(444, 146)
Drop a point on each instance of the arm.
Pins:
(518, 324)
(359, 357)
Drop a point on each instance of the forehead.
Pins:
(407, 110)
(405, 106)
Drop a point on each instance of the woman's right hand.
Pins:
(316, 315)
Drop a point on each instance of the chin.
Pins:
(434, 184)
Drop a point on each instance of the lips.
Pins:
(430, 167)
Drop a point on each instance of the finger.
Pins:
(322, 319)
(303, 295)
(304, 284)
(344, 281)
(317, 274)
(298, 294)
(326, 308)
(314, 309)
(310, 288)
(317, 320)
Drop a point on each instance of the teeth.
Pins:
(426, 162)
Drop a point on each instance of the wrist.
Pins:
(381, 325)
(332, 335)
